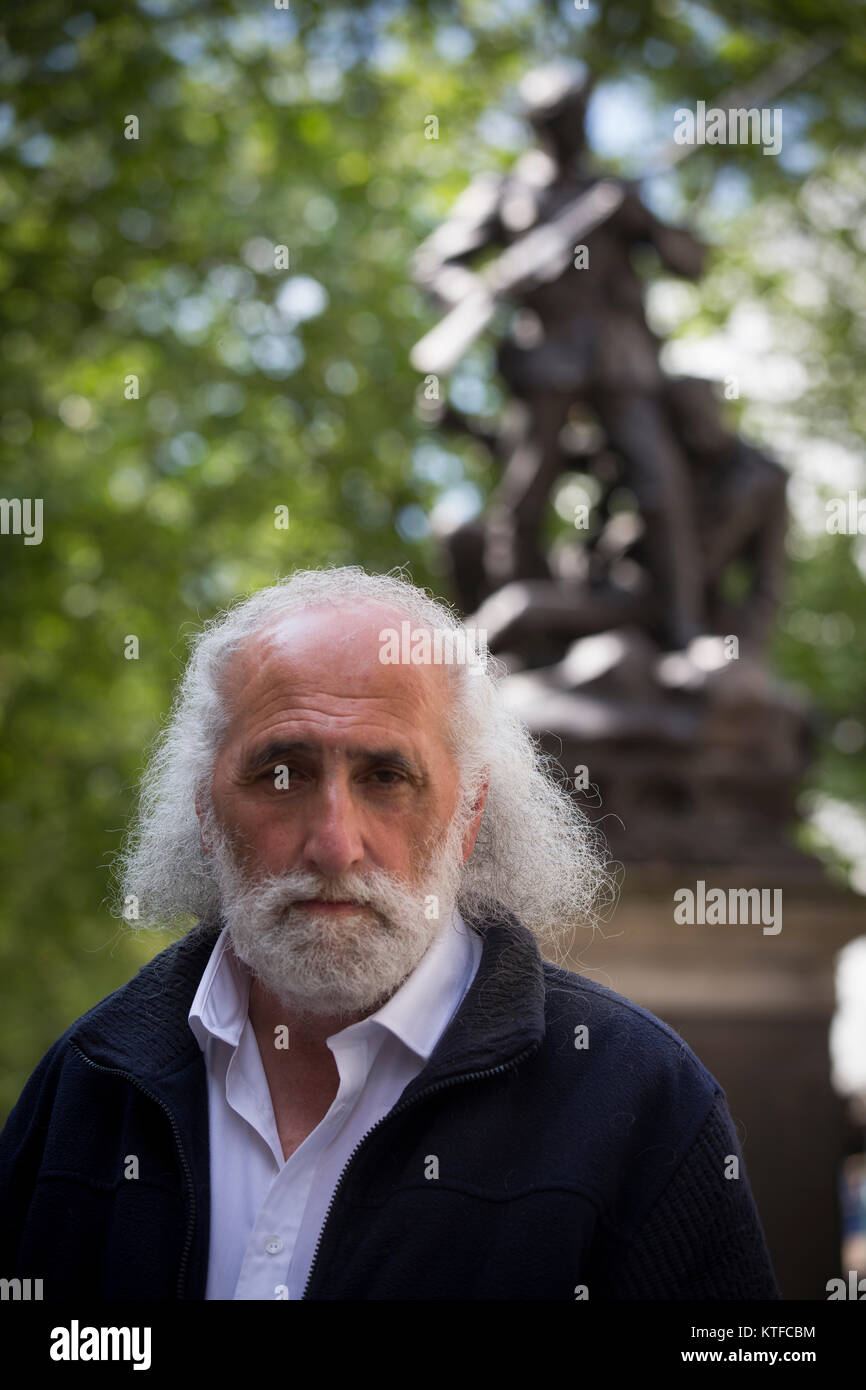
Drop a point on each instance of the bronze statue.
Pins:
(738, 496)
(637, 649)
(580, 336)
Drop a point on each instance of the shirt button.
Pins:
(273, 1245)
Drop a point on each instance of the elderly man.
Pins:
(356, 1077)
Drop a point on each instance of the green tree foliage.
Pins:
(170, 382)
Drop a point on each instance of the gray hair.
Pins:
(537, 855)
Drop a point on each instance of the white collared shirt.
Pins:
(267, 1211)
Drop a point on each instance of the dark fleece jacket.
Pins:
(583, 1151)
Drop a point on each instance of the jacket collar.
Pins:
(143, 1027)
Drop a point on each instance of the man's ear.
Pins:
(470, 834)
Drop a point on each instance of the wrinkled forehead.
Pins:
(333, 662)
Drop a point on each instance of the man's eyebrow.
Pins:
(279, 750)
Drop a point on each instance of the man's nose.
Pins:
(333, 843)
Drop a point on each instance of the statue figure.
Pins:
(740, 519)
(638, 650)
(579, 336)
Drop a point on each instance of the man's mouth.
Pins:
(332, 905)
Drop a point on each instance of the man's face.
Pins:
(334, 795)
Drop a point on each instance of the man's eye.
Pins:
(282, 776)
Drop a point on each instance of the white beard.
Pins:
(347, 963)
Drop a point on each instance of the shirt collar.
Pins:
(219, 1009)
(417, 1013)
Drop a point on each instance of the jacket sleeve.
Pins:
(702, 1238)
(21, 1146)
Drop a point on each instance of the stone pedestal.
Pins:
(756, 1009)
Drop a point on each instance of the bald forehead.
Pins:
(332, 656)
(350, 628)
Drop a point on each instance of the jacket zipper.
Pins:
(405, 1105)
(115, 1071)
